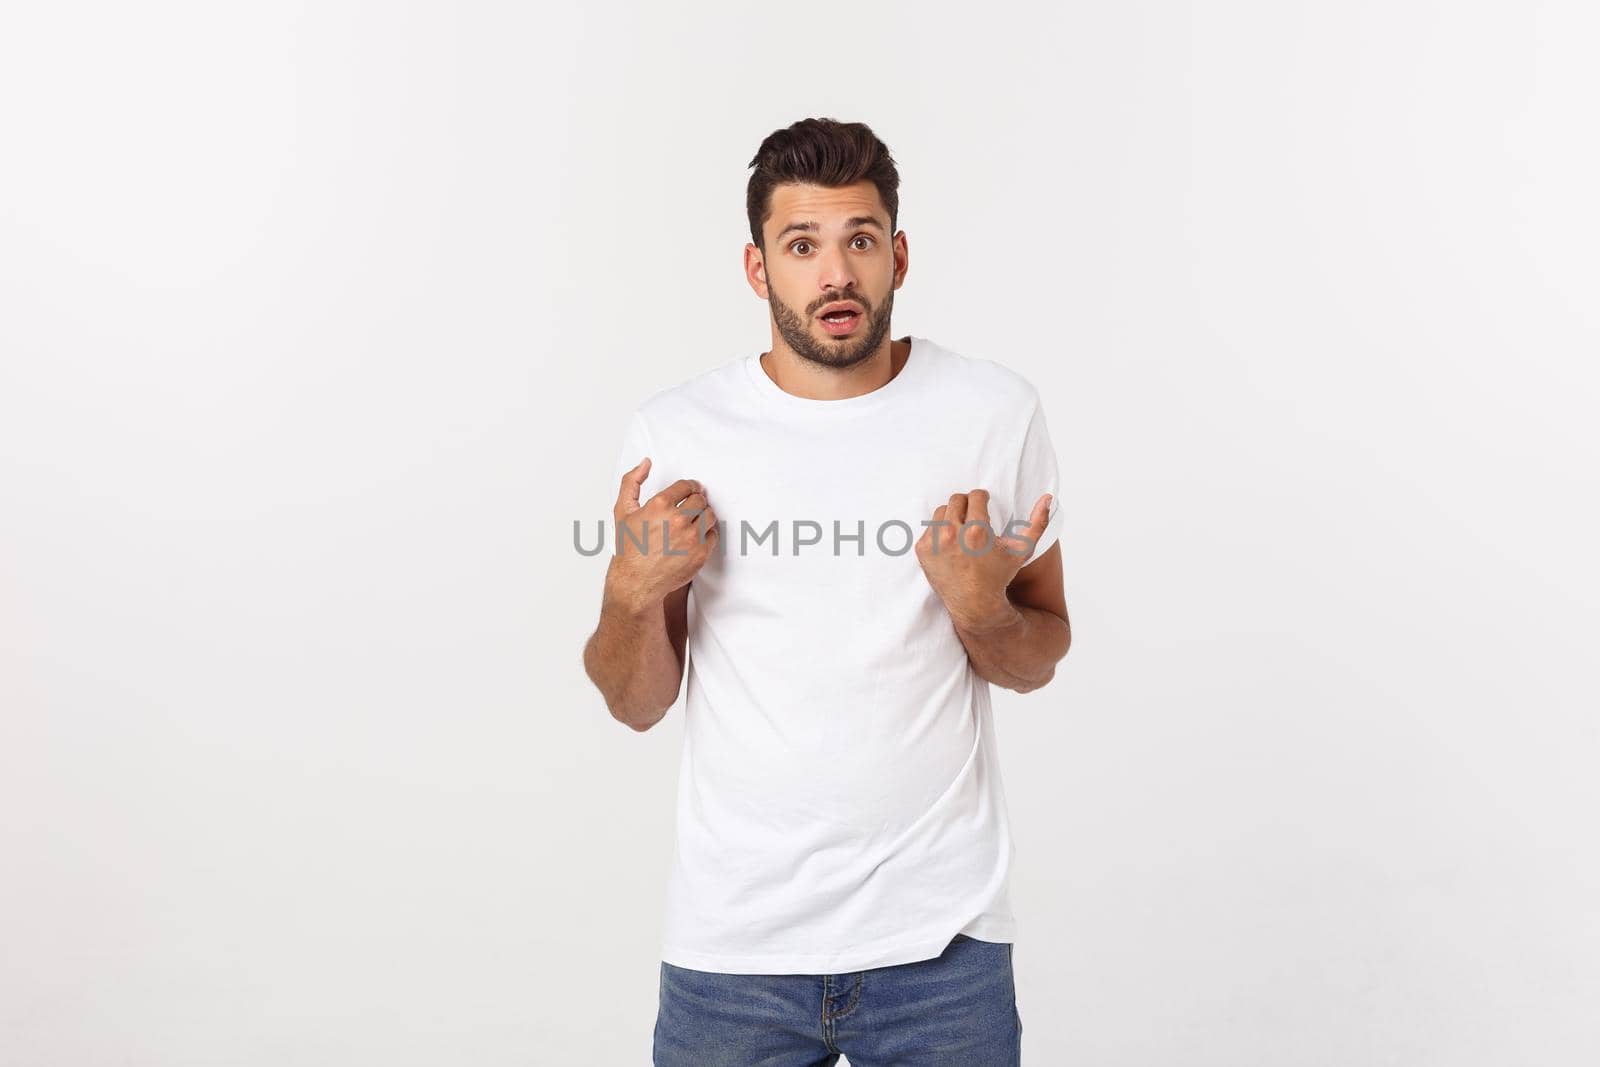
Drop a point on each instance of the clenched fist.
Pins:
(661, 545)
(972, 581)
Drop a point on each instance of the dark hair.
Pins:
(820, 152)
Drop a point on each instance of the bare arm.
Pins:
(1019, 645)
(635, 656)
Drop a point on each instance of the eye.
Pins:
(863, 237)
(796, 244)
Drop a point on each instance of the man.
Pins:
(808, 529)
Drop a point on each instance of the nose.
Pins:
(837, 275)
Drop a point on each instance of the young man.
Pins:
(809, 530)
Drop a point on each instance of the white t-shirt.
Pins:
(839, 802)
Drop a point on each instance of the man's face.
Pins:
(827, 246)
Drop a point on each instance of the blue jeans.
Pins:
(957, 1009)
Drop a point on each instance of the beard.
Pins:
(838, 353)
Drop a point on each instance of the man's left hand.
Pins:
(969, 564)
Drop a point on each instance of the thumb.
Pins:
(1040, 518)
(628, 493)
(1028, 539)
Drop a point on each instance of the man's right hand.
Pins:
(679, 518)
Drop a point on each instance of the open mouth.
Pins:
(840, 320)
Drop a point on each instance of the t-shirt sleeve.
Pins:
(637, 443)
(1037, 474)
(635, 446)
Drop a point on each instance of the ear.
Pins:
(755, 270)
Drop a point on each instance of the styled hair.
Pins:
(820, 152)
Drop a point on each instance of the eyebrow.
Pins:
(849, 224)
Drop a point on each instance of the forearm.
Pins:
(631, 660)
(1017, 647)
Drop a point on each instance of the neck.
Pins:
(815, 381)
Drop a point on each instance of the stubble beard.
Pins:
(841, 353)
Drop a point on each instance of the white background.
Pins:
(319, 327)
